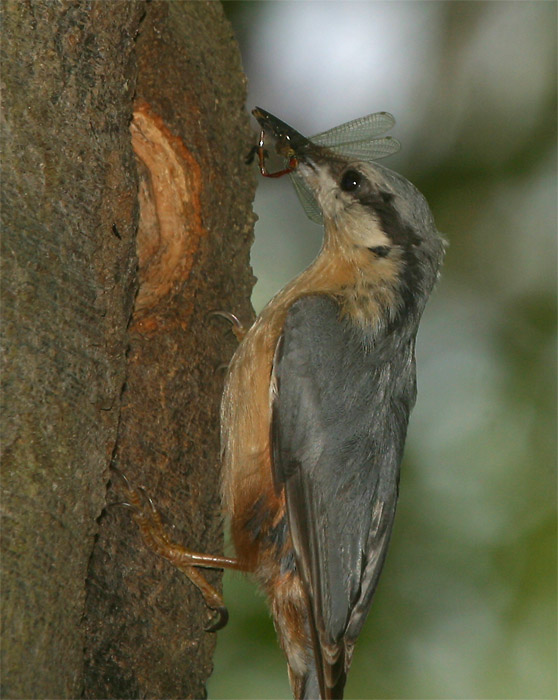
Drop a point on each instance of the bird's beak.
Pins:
(288, 142)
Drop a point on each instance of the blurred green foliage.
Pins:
(466, 607)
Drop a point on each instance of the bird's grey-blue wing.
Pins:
(339, 422)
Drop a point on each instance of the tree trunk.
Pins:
(110, 263)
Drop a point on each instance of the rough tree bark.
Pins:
(125, 218)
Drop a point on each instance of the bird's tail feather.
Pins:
(311, 686)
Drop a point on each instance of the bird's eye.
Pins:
(351, 181)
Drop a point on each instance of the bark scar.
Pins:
(170, 223)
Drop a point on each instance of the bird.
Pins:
(316, 405)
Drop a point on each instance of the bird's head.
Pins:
(368, 211)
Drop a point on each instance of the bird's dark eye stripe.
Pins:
(382, 251)
(350, 181)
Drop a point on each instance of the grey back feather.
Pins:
(339, 425)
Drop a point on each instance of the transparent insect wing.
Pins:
(354, 139)
(361, 129)
(368, 149)
(307, 199)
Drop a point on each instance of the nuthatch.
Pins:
(315, 410)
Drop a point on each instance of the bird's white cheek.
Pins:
(325, 190)
(364, 228)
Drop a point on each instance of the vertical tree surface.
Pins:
(125, 218)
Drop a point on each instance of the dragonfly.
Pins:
(356, 139)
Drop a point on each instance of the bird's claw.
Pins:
(121, 476)
(238, 328)
(122, 504)
(148, 499)
(219, 621)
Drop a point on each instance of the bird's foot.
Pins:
(156, 538)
